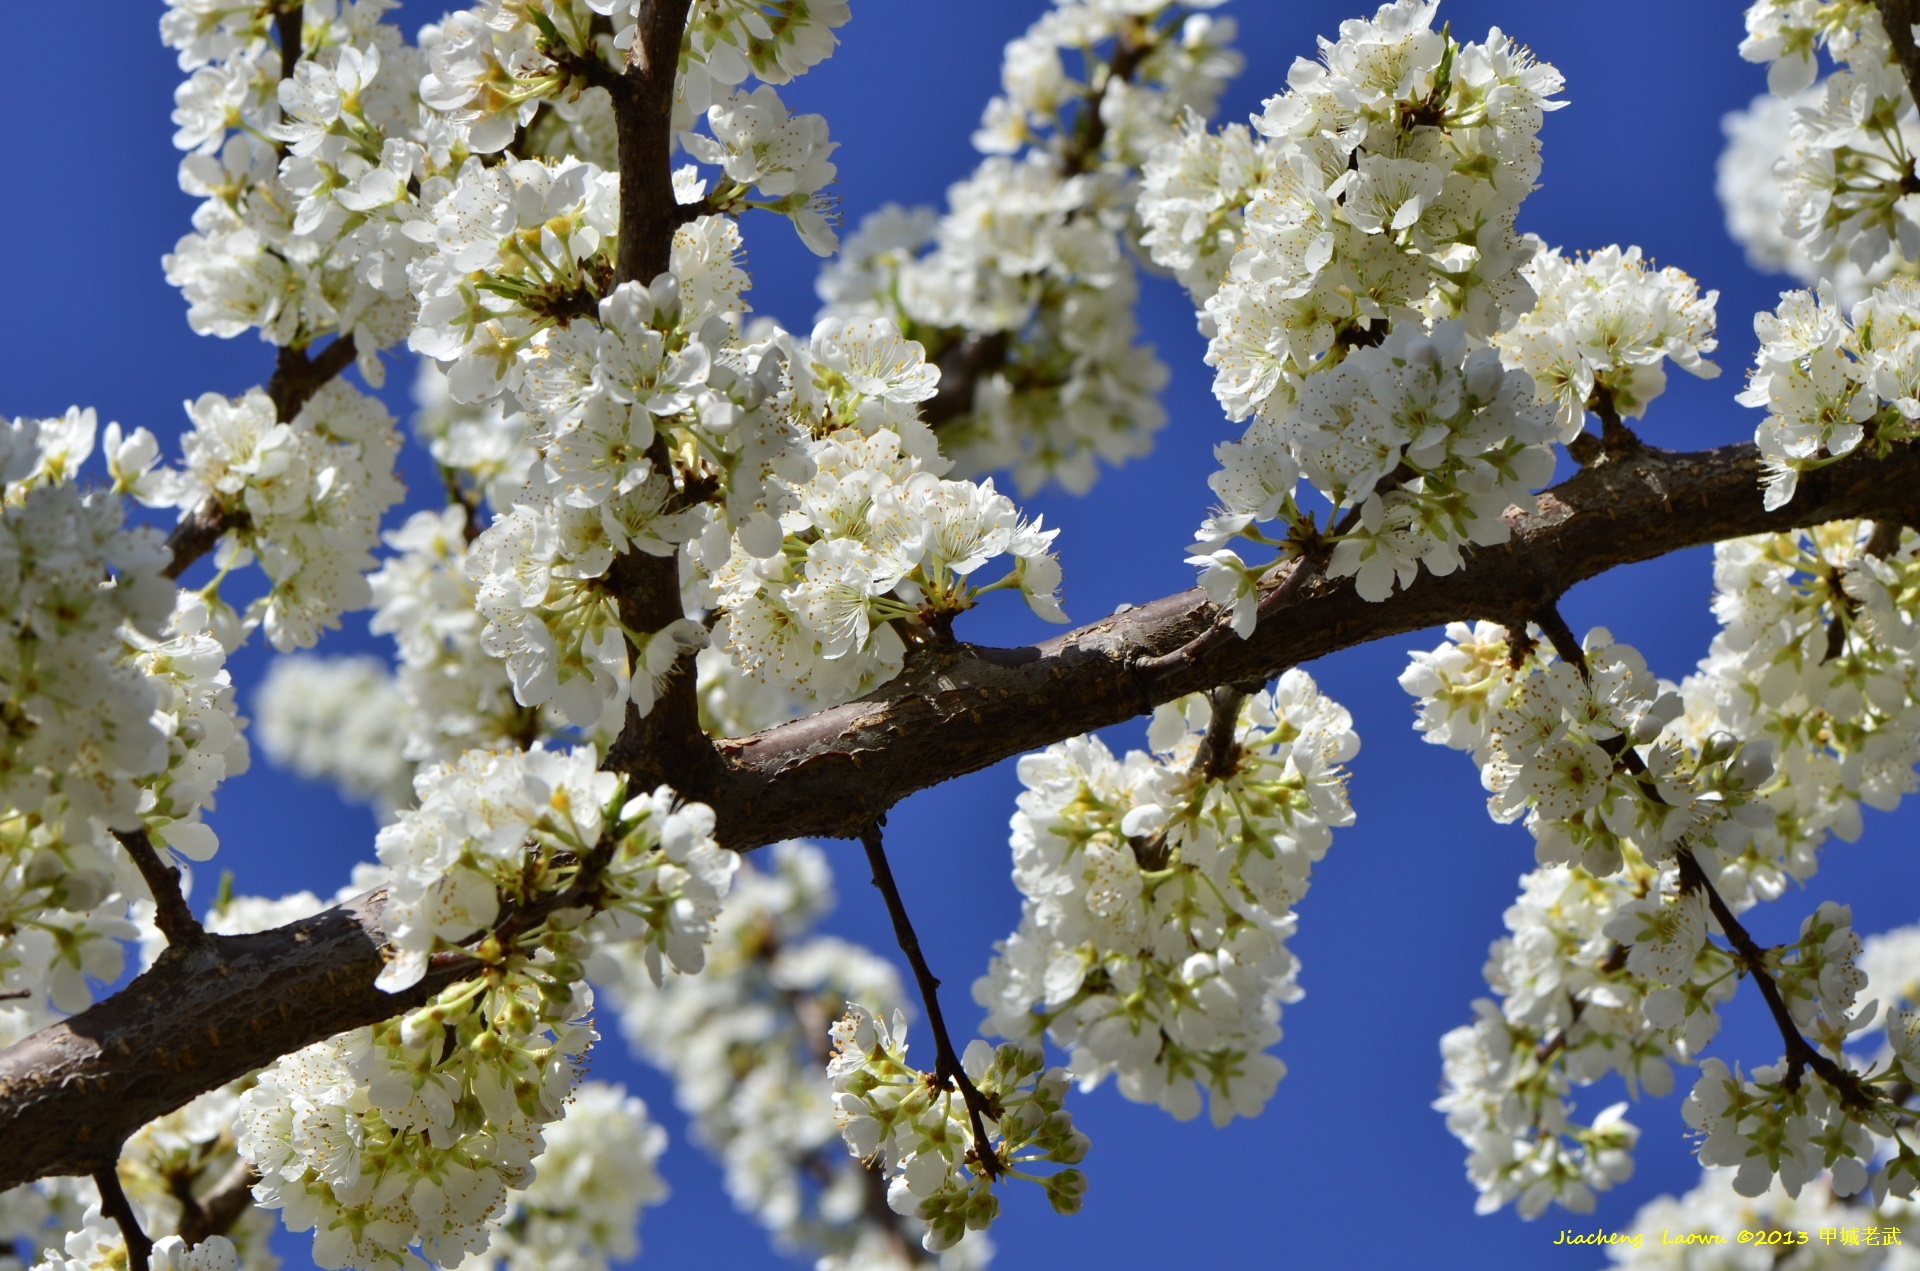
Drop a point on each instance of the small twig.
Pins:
(286, 28)
(171, 913)
(1520, 646)
(114, 1204)
(1615, 960)
(467, 500)
(946, 1065)
(15, 995)
(194, 536)
(1616, 439)
(1215, 760)
(1885, 539)
(1561, 637)
(963, 364)
(297, 377)
(1800, 1053)
(1090, 127)
(1219, 752)
(215, 1213)
(1898, 17)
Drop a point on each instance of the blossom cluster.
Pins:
(879, 542)
(411, 1132)
(304, 496)
(99, 1245)
(1702, 1230)
(1816, 657)
(1752, 191)
(746, 1045)
(120, 715)
(1610, 966)
(1354, 261)
(1422, 443)
(915, 1125)
(1845, 175)
(1601, 330)
(633, 395)
(1830, 384)
(1022, 289)
(498, 833)
(332, 719)
(309, 217)
(1385, 186)
(582, 1210)
(1159, 897)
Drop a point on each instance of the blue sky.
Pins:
(1348, 1166)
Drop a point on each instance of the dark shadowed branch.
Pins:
(946, 1065)
(115, 1205)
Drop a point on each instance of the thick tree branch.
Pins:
(643, 114)
(70, 1093)
(667, 746)
(959, 710)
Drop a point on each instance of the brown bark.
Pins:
(205, 1014)
(70, 1094)
(667, 745)
(834, 772)
(1898, 16)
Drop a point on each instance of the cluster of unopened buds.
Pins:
(919, 1127)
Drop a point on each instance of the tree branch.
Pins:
(1561, 637)
(215, 1213)
(297, 377)
(1801, 1054)
(71, 1092)
(171, 913)
(667, 746)
(946, 1064)
(1219, 752)
(1898, 16)
(1090, 126)
(965, 708)
(194, 536)
(115, 1205)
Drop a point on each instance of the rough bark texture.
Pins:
(971, 707)
(668, 741)
(202, 1016)
(1899, 16)
(70, 1094)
